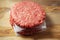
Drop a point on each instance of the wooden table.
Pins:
(53, 24)
(52, 33)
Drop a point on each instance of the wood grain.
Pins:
(52, 20)
(52, 33)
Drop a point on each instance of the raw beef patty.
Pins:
(27, 14)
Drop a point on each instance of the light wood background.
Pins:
(52, 9)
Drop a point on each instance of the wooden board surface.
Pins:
(52, 33)
(52, 19)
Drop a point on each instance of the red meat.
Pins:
(27, 14)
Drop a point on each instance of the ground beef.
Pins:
(27, 14)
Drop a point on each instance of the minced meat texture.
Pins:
(27, 14)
